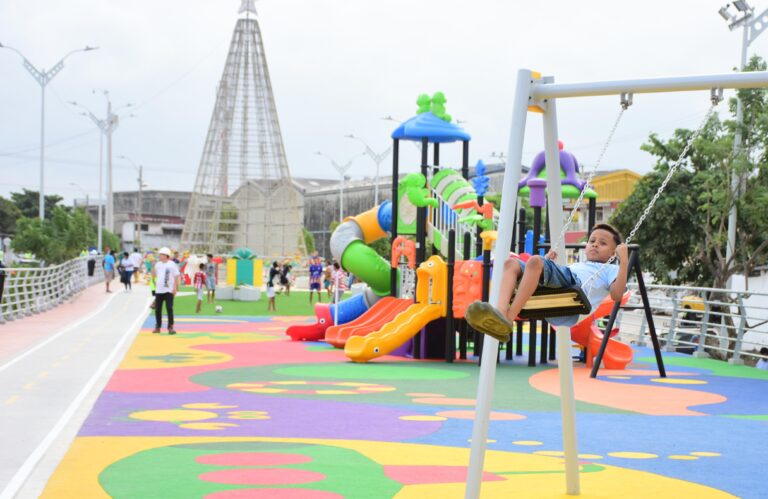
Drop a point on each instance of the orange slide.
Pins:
(617, 354)
(373, 319)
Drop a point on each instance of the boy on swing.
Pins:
(603, 242)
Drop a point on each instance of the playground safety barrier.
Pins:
(441, 220)
(698, 320)
(30, 290)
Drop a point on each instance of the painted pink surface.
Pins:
(22, 334)
(644, 399)
(262, 476)
(274, 494)
(253, 459)
(417, 475)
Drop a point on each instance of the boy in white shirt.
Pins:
(166, 275)
(603, 242)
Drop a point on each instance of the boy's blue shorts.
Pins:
(555, 276)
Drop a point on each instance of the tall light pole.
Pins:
(342, 169)
(43, 78)
(137, 232)
(752, 26)
(377, 158)
(107, 126)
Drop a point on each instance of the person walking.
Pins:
(166, 275)
(199, 283)
(210, 278)
(138, 262)
(127, 271)
(109, 266)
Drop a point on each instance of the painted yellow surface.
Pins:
(526, 475)
(152, 351)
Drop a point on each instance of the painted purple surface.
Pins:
(538, 196)
(289, 417)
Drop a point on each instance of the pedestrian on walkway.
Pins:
(210, 278)
(166, 274)
(109, 266)
(138, 263)
(127, 267)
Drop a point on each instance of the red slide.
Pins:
(382, 312)
(617, 354)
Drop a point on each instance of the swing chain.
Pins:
(660, 190)
(626, 101)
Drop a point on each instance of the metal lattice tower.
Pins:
(244, 195)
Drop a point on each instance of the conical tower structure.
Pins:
(244, 195)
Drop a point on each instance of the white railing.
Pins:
(701, 321)
(442, 219)
(28, 291)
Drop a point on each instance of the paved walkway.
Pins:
(51, 366)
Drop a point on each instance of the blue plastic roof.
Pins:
(430, 126)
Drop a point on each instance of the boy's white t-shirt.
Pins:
(596, 289)
(166, 273)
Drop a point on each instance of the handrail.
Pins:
(739, 327)
(436, 218)
(31, 290)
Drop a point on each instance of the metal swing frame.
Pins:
(539, 94)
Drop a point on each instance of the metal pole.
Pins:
(736, 179)
(395, 203)
(99, 214)
(341, 199)
(137, 242)
(491, 345)
(110, 205)
(42, 150)
(565, 363)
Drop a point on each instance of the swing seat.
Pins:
(556, 302)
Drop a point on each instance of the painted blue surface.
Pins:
(429, 126)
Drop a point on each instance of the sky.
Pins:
(339, 67)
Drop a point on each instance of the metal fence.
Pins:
(704, 322)
(27, 291)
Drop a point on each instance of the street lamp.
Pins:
(84, 192)
(752, 26)
(377, 158)
(137, 232)
(107, 126)
(342, 169)
(43, 78)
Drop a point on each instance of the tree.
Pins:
(309, 240)
(28, 202)
(685, 235)
(9, 213)
(62, 237)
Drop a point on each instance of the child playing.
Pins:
(339, 281)
(199, 283)
(327, 271)
(271, 296)
(315, 274)
(603, 242)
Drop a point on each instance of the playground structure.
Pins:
(414, 306)
(538, 94)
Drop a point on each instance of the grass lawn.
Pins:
(296, 304)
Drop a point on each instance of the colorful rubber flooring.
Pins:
(229, 408)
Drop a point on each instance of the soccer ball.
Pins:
(219, 309)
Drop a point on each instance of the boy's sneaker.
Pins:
(171, 331)
(488, 320)
(156, 330)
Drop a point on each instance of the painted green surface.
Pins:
(363, 261)
(718, 367)
(369, 371)
(173, 471)
(296, 304)
(754, 417)
(513, 391)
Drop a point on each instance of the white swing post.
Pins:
(541, 94)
